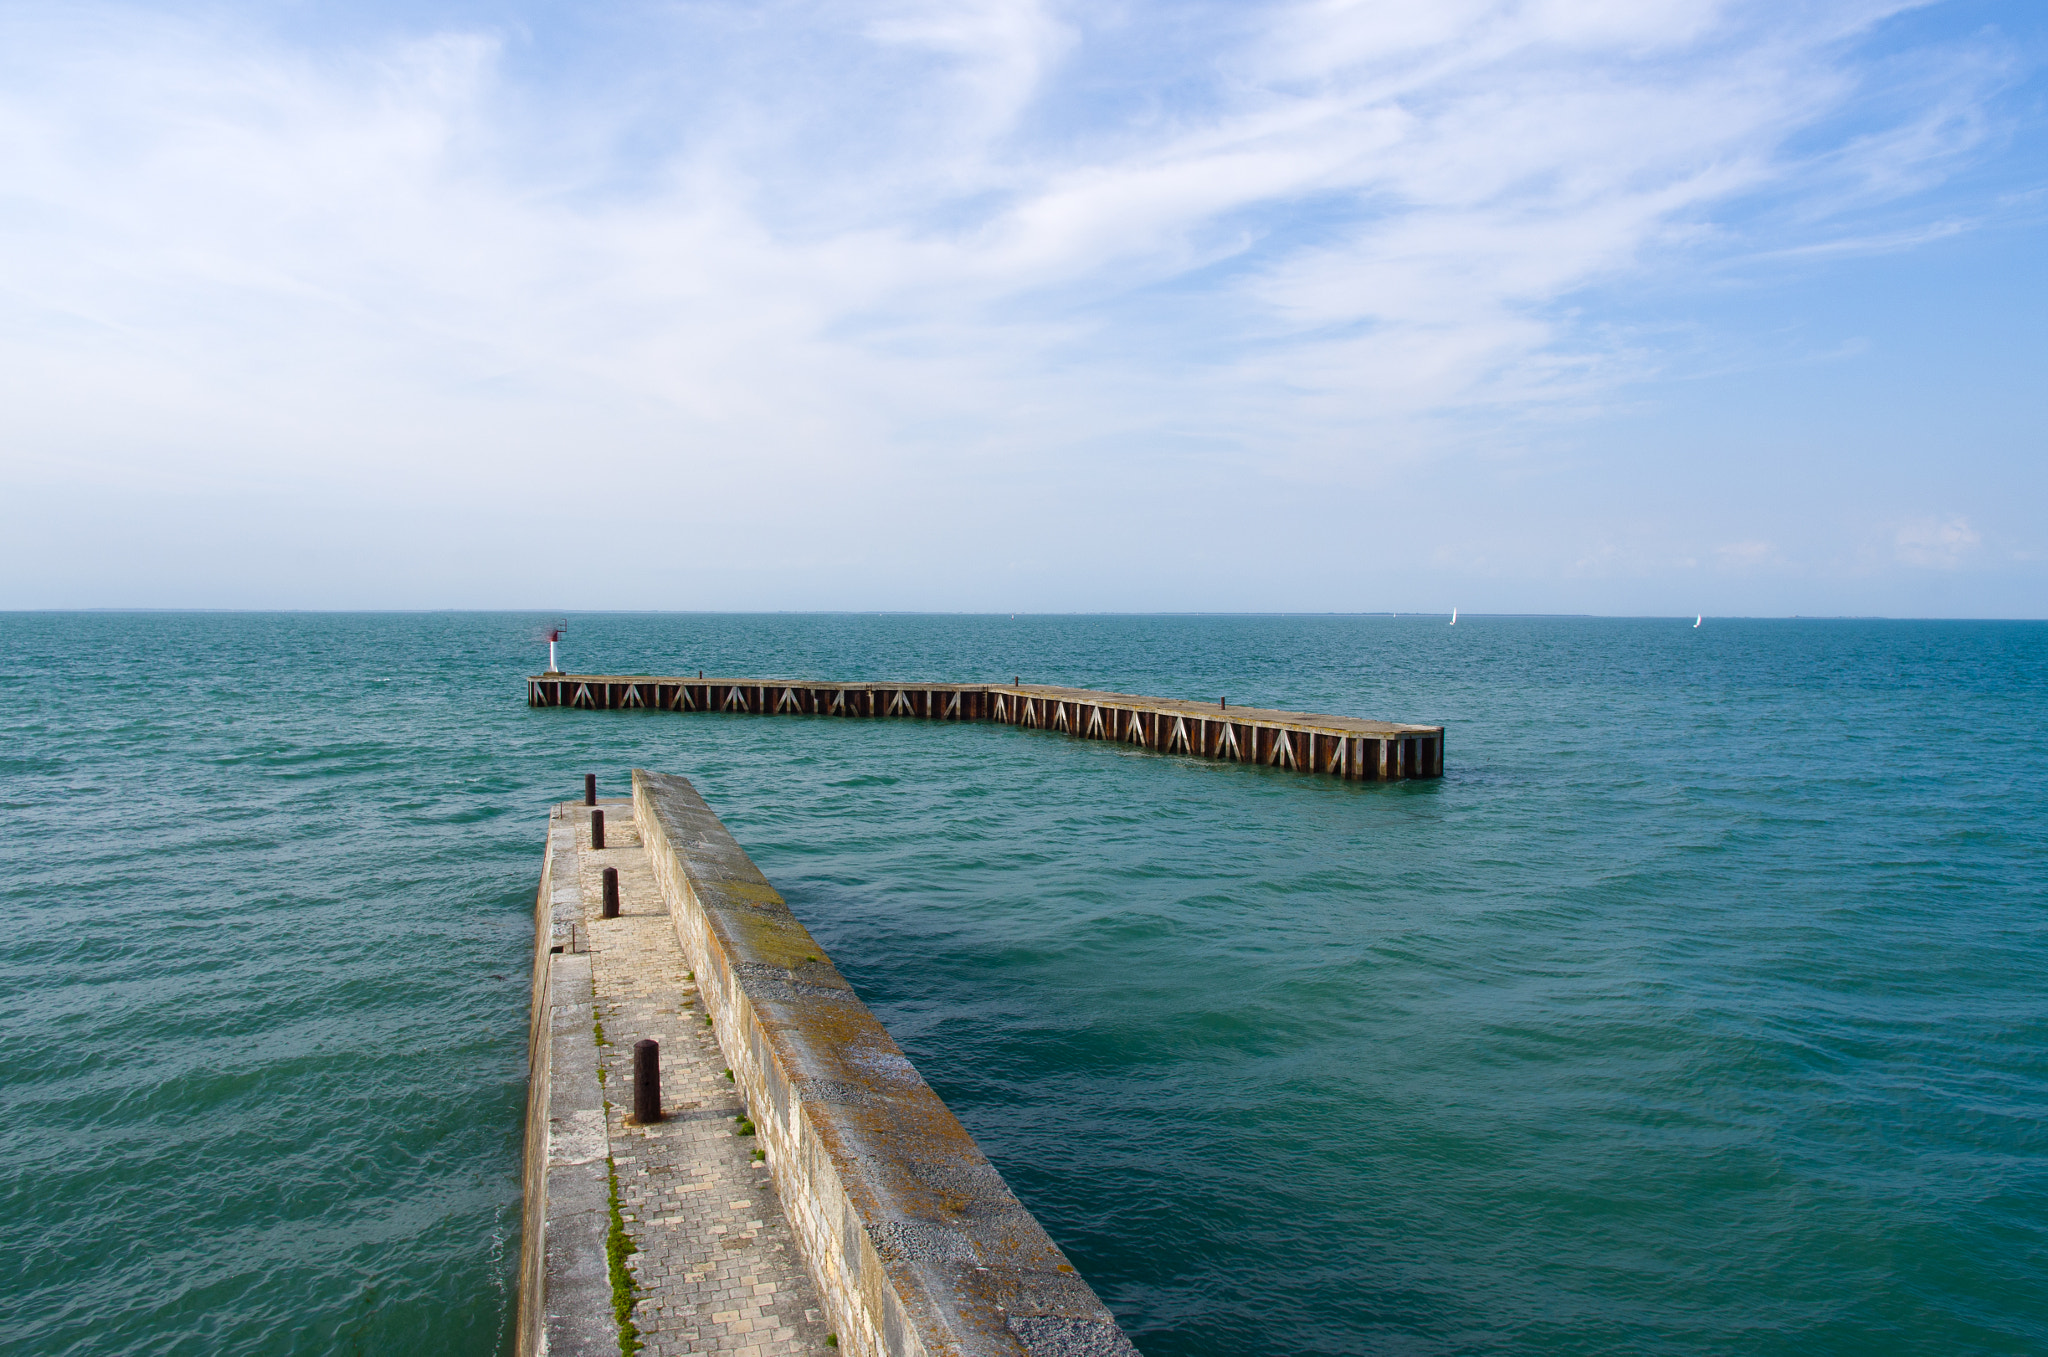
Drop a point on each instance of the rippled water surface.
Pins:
(1698, 1009)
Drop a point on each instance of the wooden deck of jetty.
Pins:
(1339, 746)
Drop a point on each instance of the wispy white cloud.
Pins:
(907, 235)
(1747, 555)
(1936, 543)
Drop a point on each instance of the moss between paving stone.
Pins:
(617, 1248)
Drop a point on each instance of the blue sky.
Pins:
(1560, 305)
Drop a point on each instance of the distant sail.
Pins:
(1697, 620)
(1454, 617)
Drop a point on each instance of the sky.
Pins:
(1608, 306)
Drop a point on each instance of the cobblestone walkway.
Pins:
(717, 1267)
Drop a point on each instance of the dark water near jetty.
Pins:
(1698, 1010)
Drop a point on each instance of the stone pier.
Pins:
(714, 1268)
(804, 1190)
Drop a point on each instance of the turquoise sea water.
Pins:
(1698, 1009)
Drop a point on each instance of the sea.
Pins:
(1700, 1008)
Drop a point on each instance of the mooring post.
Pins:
(590, 789)
(611, 892)
(1223, 704)
(646, 1081)
(597, 829)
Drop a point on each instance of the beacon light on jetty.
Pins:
(1340, 746)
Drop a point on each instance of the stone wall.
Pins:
(539, 1065)
(565, 1303)
(915, 1242)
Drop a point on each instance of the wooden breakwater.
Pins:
(1338, 746)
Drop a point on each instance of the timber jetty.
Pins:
(1337, 746)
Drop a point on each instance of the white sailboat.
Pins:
(1697, 620)
(1454, 617)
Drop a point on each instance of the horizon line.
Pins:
(937, 612)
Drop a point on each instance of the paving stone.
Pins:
(717, 1268)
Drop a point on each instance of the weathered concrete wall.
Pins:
(565, 1304)
(916, 1243)
(533, 1190)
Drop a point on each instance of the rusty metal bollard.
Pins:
(611, 892)
(646, 1081)
(590, 789)
(597, 829)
